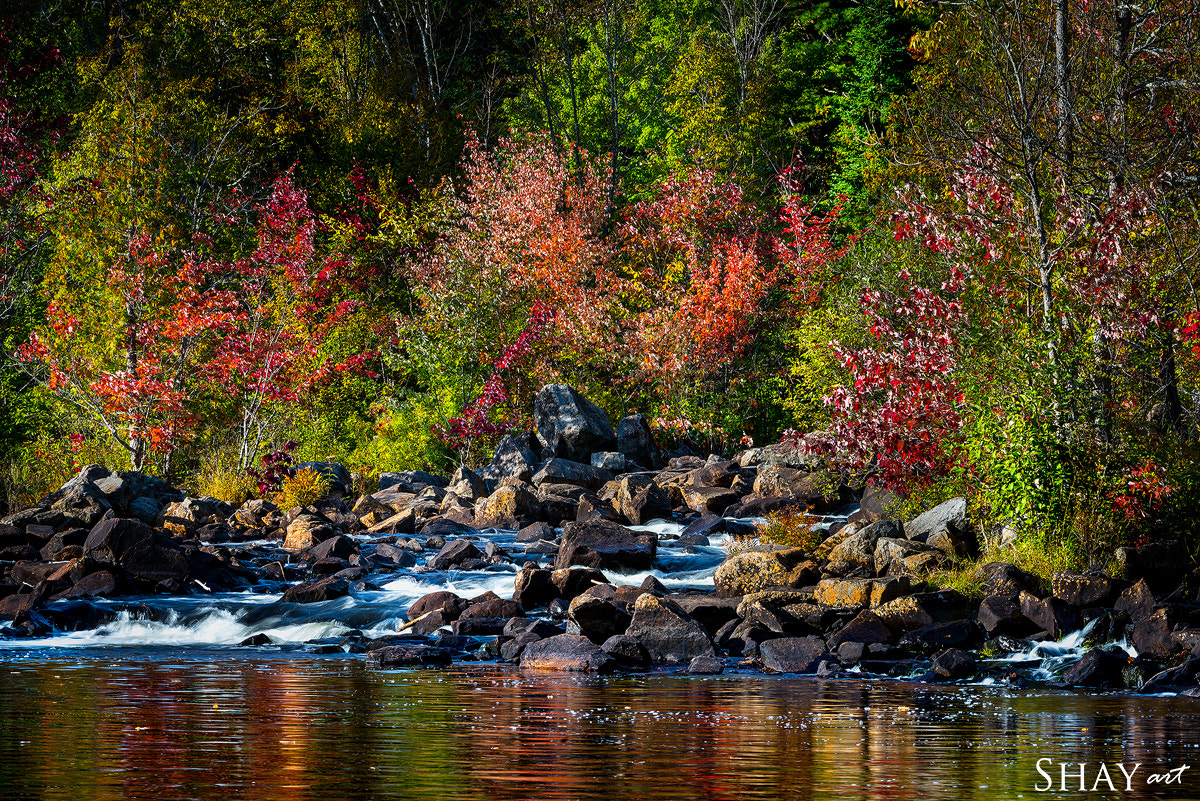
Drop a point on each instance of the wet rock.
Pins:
(479, 626)
(596, 618)
(409, 656)
(706, 666)
(574, 581)
(761, 568)
(1099, 667)
(954, 664)
(952, 514)
(453, 554)
(468, 485)
(956, 634)
(865, 628)
(1161, 564)
(534, 532)
(432, 622)
(612, 461)
(338, 547)
(531, 625)
(534, 588)
(1051, 615)
(874, 504)
(792, 654)
(652, 584)
(440, 599)
(591, 507)
(494, 607)
(1007, 580)
(135, 548)
(570, 652)
(710, 611)
(1175, 677)
(1137, 601)
(310, 592)
(101, 584)
(393, 557)
(606, 545)
(668, 632)
(569, 425)
(1082, 590)
(441, 527)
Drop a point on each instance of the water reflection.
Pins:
(300, 729)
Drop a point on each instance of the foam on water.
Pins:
(1056, 655)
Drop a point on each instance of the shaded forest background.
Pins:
(947, 248)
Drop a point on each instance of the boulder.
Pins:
(1082, 590)
(859, 593)
(640, 500)
(954, 664)
(514, 456)
(569, 652)
(468, 485)
(338, 547)
(935, 637)
(1007, 580)
(874, 504)
(668, 633)
(706, 500)
(413, 481)
(1051, 615)
(762, 568)
(904, 557)
(636, 441)
(506, 507)
(605, 545)
(1136, 601)
(453, 554)
(612, 461)
(1161, 564)
(409, 655)
(565, 471)
(306, 531)
(792, 654)
(257, 513)
(493, 608)
(856, 552)
(865, 628)
(596, 618)
(135, 548)
(534, 588)
(1000, 616)
(571, 582)
(952, 513)
(569, 425)
(706, 666)
(1099, 667)
(183, 518)
(337, 477)
(310, 592)
(1152, 635)
(626, 650)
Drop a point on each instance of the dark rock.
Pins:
(792, 654)
(135, 548)
(710, 611)
(394, 556)
(602, 544)
(1007, 580)
(591, 507)
(706, 666)
(453, 554)
(668, 632)
(761, 507)
(442, 527)
(1099, 667)
(431, 622)
(865, 628)
(569, 425)
(1051, 615)
(571, 582)
(875, 503)
(495, 607)
(904, 557)
(516, 454)
(440, 599)
(957, 634)
(564, 471)
(640, 500)
(534, 588)
(101, 584)
(1161, 564)
(652, 584)
(411, 481)
(309, 592)
(954, 664)
(1082, 590)
(1137, 601)
(636, 441)
(479, 626)
(707, 500)
(1002, 616)
(535, 531)
(858, 550)
(409, 656)
(1152, 635)
(596, 618)
(567, 652)
(1179, 676)
(338, 547)
(626, 650)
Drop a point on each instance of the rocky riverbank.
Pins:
(577, 502)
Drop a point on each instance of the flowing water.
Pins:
(155, 699)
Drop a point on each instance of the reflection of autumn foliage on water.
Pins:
(300, 730)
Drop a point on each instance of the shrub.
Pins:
(303, 488)
(793, 529)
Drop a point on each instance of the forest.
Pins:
(947, 248)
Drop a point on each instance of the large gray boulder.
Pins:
(569, 425)
(636, 441)
(605, 545)
(515, 454)
(952, 514)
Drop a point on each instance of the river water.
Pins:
(157, 701)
